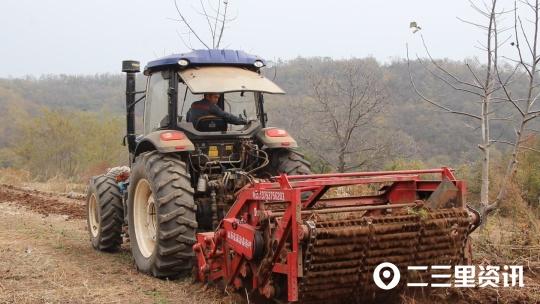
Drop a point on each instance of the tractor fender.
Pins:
(155, 141)
(276, 138)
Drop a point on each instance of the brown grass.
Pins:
(14, 176)
(23, 178)
(50, 260)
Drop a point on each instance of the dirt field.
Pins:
(45, 257)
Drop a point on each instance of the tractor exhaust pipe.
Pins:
(131, 68)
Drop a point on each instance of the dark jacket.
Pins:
(204, 107)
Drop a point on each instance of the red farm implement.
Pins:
(289, 239)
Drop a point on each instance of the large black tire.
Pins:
(105, 213)
(162, 238)
(287, 161)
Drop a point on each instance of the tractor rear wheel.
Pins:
(287, 161)
(105, 213)
(161, 215)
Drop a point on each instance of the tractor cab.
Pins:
(228, 133)
(176, 85)
(177, 81)
(222, 142)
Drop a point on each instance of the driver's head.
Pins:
(212, 97)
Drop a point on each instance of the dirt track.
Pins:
(45, 257)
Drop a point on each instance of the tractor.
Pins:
(183, 175)
(239, 205)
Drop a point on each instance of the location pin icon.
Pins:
(387, 273)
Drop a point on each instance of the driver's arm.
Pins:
(229, 118)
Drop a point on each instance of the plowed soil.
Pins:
(43, 203)
(46, 257)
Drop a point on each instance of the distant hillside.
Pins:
(437, 136)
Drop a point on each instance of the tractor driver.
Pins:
(209, 106)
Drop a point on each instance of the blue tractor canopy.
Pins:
(207, 58)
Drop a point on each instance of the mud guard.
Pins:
(281, 139)
(154, 141)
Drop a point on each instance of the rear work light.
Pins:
(172, 135)
(276, 133)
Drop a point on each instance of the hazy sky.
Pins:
(93, 36)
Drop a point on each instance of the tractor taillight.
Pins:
(276, 133)
(172, 135)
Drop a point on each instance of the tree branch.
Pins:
(444, 70)
(447, 82)
(212, 30)
(188, 25)
(431, 101)
(226, 4)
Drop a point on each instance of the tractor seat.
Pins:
(210, 123)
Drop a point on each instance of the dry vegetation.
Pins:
(45, 257)
(25, 179)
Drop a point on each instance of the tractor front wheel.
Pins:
(105, 213)
(161, 215)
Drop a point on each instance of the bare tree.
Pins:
(343, 102)
(481, 87)
(216, 16)
(527, 60)
(495, 87)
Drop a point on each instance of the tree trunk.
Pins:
(484, 188)
(341, 162)
(485, 147)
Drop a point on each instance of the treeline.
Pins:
(86, 93)
(73, 125)
(63, 143)
(436, 135)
